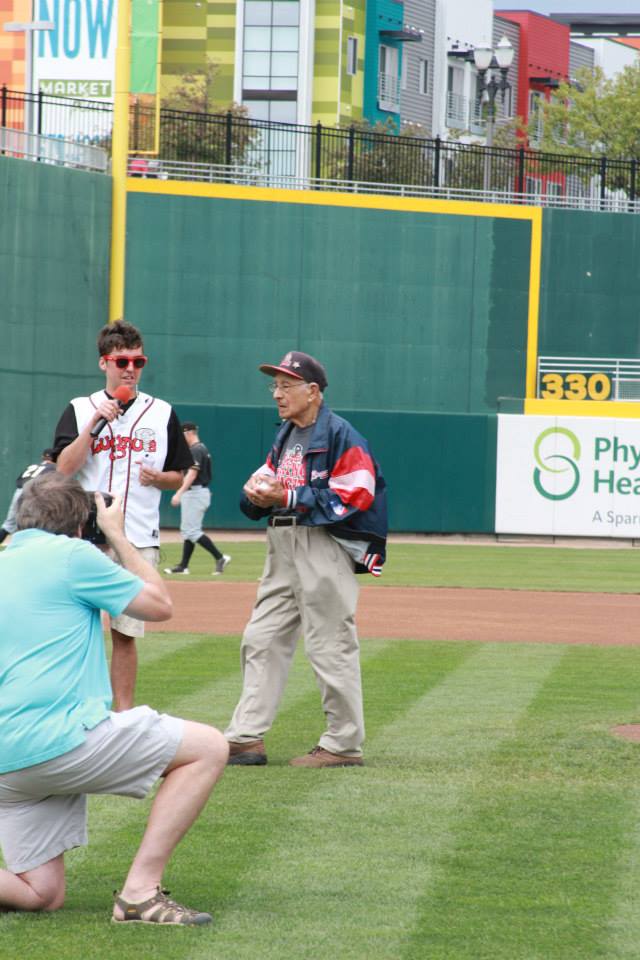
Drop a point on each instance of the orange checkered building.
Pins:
(12, 45)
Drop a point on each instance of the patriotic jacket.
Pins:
(344, 489)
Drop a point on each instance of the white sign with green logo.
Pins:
(571, 476)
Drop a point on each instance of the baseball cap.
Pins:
(300, 365)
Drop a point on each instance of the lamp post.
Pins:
(29, 28)
(487, 60)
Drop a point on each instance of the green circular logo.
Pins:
(568, 463)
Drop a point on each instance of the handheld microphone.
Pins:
(122, 395)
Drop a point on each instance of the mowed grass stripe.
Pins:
(356, 852)
(535, 871)
(247, 815)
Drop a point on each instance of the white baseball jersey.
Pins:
(137, 437)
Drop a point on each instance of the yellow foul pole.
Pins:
(119, 155)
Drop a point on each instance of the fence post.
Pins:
(603, 175)
(318, 163)
(3, 111)
(228, 139)
(352, 134)
(39, 118)
(632, 183)
(436, 162)
(520, 174)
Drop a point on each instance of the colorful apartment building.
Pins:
(543, 61)
(285, 60)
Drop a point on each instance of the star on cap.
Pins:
(295, 363)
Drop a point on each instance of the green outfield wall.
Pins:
(440, 468)
(426, 315)
(590, 296)
(409, 312)
(54, 260)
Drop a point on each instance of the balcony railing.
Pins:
(457, 111)
(389, 92)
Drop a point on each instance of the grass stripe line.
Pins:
(536, 866)
(396, 818)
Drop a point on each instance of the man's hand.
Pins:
(264, 491)
(149, 477)
(107, 409)
(110, 518)
(175, 500)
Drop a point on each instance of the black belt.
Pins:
(282, 521)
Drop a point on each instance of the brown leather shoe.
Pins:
(251, 753)
(319, 757)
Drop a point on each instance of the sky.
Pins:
(571, 6)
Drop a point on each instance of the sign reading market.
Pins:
(568, 476)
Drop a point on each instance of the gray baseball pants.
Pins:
(193, 506)
(308, 587)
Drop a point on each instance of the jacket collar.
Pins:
(319, 439)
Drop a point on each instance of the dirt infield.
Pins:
(421, 613)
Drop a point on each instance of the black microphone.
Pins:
(122, 395)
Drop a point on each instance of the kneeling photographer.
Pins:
(59, 739)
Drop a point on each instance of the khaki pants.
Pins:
(308, 587)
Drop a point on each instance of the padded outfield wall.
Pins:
(419, 309)
(54, 285)
(428, 315)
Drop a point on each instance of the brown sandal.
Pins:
(159, 909)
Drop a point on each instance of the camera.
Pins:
(91, 531)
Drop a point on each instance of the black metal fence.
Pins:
(324, 153)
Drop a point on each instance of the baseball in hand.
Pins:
(261, 485)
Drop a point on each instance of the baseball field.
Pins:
(497, 816)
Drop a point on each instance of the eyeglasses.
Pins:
(285, 387)
(123, 362)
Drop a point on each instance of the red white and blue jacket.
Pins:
(344, 488)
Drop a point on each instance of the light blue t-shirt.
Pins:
(54, 682)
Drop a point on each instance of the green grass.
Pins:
(496, 818)
(444, 565)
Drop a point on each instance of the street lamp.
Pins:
(487, 60)
(29, 28)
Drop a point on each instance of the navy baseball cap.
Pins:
(299, 365)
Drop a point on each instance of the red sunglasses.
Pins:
(123, 362)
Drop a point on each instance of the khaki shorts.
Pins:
(43, 808)
(129, 625)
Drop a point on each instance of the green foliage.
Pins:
(381, 154)
(595, 115)
(193, 128)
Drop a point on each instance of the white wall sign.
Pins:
(76, 59)
(570, 476)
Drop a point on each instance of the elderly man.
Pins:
(325, 499)
(59, 741)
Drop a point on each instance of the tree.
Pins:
(376, 153)
(194, 128)
(593, 115)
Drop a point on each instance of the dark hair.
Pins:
(190, 425)
(49, 453)
(118, 336)
(54, 503)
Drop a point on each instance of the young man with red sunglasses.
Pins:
(134, 448)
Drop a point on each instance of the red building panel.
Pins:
(544, 54)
